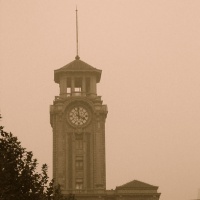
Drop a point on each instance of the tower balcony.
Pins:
(75, 94)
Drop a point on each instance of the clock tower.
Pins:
(78, 117)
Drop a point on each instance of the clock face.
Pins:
(78, 116)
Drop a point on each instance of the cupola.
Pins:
(77, 79)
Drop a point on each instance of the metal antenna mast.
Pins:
(77, 56)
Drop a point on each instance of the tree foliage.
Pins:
(19, 178)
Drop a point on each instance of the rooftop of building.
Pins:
(77, 65)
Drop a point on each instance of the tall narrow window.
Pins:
(69, 89)
(78, 86)
(79, 164)
(79, 144)
(79, 184)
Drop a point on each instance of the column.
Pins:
(72, 86)
(63, 86)
(60, 152)
(98, 161)
(83, 86)
(93, 89)
(73, 162)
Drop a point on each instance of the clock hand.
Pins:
(82, 117)
(78, 113)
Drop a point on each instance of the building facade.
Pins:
(78, 118)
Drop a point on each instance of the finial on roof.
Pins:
(77, 56)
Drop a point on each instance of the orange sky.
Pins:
(149, 53)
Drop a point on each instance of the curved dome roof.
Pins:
(77, 66)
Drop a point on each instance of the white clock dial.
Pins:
(78, 116)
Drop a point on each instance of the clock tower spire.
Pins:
(77, 56)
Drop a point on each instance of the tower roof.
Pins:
(136, 184)
(77, 66)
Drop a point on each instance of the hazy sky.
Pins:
(149, 53)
